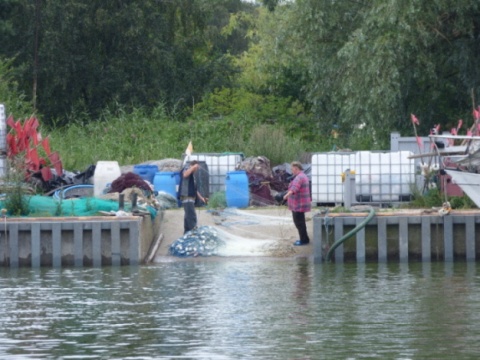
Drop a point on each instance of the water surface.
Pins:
(240, 308)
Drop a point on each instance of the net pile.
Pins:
(203, 241)
(46, 206)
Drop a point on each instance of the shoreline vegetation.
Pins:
(236, 76)
(138, 136)
(156, 135)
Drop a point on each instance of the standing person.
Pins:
(299, 201)
(188, 193)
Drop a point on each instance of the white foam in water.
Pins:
(241, 246)
(241, 239)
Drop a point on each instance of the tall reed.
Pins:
(138, 136)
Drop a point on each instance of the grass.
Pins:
(434, 198)
(138, 136)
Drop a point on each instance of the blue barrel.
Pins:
(146, 172)
(166, 181)
(236, 189)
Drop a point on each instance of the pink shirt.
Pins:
(300, 200)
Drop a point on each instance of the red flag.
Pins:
(414, 120)
(476, 114)
(460, 123)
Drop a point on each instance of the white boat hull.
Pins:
(468, 182)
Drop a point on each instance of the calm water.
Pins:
(242, 308)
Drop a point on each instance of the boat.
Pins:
(467, 181)
(461, 162)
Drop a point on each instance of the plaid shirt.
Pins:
(300, 200)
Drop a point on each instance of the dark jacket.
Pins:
(187, 186)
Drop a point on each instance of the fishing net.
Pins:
(236, 234)
(166, 200)
(203, 241)
(47, 206)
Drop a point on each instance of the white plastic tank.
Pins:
(218, 165)
(326, 175)
(105, 173)
(379, 176)
(384, 176)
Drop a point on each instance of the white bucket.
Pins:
(105, 173)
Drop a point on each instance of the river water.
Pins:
(242, 308)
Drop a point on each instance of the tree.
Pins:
(14, 100)
(93, 54)
(373, 63)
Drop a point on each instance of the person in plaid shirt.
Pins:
(299, 201)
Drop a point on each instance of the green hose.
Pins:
(349, 234)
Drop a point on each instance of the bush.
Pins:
(432, 198)
(273, 143)
(217, 200)
(16, 203)
(461, 202)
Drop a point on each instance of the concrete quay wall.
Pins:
(76, 241)
(394, 237)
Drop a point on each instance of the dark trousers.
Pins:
(299, 221)
(190, 217)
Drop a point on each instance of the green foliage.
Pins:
(376, 62)
(435, 198)
(16, 201)
(461, 202)
(432, 198)
(15, 102)
(59, 208)
(247, 108)
(133, 137)
(217, 200)
(222, 67)
(89, 55)
(273, 64)
(273, 143)
(125, 136)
